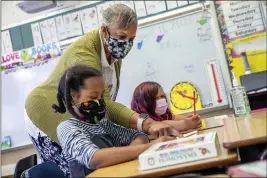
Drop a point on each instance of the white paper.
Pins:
(191, 2)
(264, 9)
(171, 4)
(67, 24)
(140, 8)
(101, 8)
(127, 3)
(153, 7)
(53, 29)
(61, 30)
(36, 34)
(89, 19)
(182, 3)
(2, 44)
(7, 42)
(45, 32)
(76, 27)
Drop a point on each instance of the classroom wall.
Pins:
(14, 15)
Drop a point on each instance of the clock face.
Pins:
(181, 95)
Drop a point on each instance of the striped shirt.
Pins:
(75, 138)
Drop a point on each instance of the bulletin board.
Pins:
(243, 27)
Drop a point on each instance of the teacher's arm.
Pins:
(117, 112)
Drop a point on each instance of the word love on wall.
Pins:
(11, 58)
(240, 18)
(31, 56)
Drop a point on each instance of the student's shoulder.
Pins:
(70, 123)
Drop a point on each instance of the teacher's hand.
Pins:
(159, 129)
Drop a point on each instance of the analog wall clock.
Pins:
(181, 97)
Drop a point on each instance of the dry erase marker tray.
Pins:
(179, 151)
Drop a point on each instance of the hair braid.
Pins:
(61, 108)
(68, 97)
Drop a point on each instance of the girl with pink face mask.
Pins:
(149, 98)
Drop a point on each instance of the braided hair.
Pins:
(72, 80)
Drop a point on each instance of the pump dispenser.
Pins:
(240, 99)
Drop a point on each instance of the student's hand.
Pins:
(192, 122)
(162, 139)
(159, 129)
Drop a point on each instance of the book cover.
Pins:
(179, 151)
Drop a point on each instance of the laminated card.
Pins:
(179, 151)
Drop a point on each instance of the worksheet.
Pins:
(45, 32)
(61, 31)
(89, 19)
(75, 24)
(7, 42)
(171, 4)
(36, 34)
(127, 3)
(181, 3)
(153, 7)
(53, 29)
(67, 23)
(2, 44)
(140, 8)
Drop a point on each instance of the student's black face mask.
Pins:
(92, 111)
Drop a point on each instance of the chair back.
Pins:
(24, 164)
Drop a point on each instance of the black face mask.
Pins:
(92, 111)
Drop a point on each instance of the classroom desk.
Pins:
(130, 169)
(245, 132)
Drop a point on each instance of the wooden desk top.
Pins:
(130, 169)
(245, 132)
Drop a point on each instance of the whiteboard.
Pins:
(15, 88)
(183, 52)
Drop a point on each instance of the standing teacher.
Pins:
(104, 50)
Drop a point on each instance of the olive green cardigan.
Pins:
(84, 51)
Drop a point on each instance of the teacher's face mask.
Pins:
(161, 106)
(118, 48)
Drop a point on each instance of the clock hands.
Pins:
(184, 96)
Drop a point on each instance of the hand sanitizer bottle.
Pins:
(240, 100)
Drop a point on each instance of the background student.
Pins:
(149, 98)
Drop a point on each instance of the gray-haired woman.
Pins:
(102, 49)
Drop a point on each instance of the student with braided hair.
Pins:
(89, 140)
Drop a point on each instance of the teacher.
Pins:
(104, 50)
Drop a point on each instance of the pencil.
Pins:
(194, 97)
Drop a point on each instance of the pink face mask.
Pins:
(161, 106)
